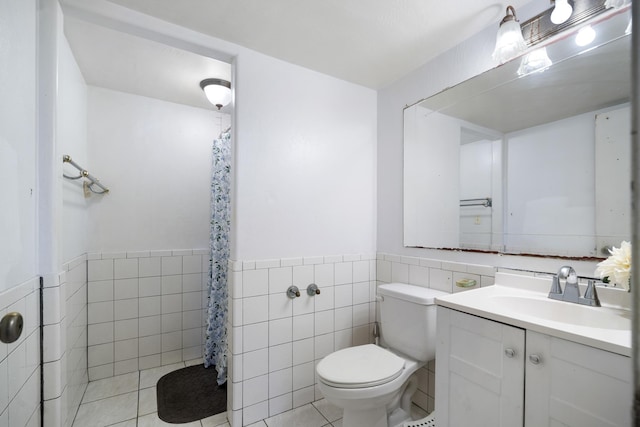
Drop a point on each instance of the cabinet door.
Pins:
(479, 372)
(573, 385)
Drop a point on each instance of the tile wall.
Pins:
(145, 309)
(435, 274)
(276, 341)
(65, 342)
(20, 361)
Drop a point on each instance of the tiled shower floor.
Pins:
(129, 400)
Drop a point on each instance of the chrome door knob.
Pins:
(535, 359)
(509, 352)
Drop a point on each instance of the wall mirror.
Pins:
(527, 164)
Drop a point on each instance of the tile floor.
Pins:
(129, 400)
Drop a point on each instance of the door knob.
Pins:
(535, 359)
(11, 327)
(509, 352)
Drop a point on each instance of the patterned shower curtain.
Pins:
(216, 343)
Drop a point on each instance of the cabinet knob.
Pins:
(535, 359)
(509, 352)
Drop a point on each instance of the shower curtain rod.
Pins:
(84, 174)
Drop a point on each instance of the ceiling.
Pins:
(370, 43)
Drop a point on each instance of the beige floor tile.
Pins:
(107, 411)
(110, 387)
(147, 402)
(152, 420)
(258, 424)
(215, 420)
(150, 377)
(330, 411)
(337, 423)
(307, 416)
(128, 423)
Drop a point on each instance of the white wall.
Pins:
(304, 162)
(17, 142)
(155, 158)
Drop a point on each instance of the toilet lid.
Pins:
(362, 366)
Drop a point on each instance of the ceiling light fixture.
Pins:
(509, 41)
(585, 36)
(561, 12)
(218, 91)
(535, 62)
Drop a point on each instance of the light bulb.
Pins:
(509, 40)
(561, 12)
(585, 36)
(535, 61)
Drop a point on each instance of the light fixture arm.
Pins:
(509, 16)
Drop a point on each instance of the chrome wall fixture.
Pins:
(91, 180)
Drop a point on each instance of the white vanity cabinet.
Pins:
(496, 375)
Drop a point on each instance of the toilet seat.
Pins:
(360, 367)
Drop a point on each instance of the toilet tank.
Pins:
(408, 319)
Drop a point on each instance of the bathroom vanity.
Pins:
(507, 355)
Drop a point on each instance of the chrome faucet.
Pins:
(571, 291)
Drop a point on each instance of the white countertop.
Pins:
(522, 301)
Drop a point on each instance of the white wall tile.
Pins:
(191, 264)
(126, 329)
(303, 396)
(255, 282)
(280, 279)
(303, 351)
(343, 339)
(171, 322)
(100, 333)
(126, 268)
(303, 275)
(126, 349)
(255, 309)
(280, 331)
(149, 345)
(100, 354)
(100, 291)
(361, 292)
(255, 390)
(280, 382)
(191, 319)
(255, 336)
(150, 325)
(361, 271)
(126, 309)
(280, 404)
(303, 305)
(324, 301)
(171, 303)
(280, 356)
(419, 275)
(100, 312)
(343, 295)
(343, 273)
(254, 413)
(440, 280)
(280, 305)
(171, 265)
(323, 345)
(303, 326)
(192, 282)
(361, 314)
(303, 375)
(191, 301)
(125, 288)
(323, 275)
(149, 286)
(100, 269)
(255, 363)
(125, 366)
(171, 284)
(192, 338)
(343, 318)
(323, 322)
(149, 267)
(171, 341)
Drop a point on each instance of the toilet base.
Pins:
(369, 417)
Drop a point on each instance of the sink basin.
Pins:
(565, 312)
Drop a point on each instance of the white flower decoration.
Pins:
(617, 268)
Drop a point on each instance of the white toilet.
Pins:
(374, 385)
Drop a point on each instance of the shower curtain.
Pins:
(216, 341)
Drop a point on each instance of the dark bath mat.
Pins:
(190, 394)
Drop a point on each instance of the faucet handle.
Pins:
(591, 295)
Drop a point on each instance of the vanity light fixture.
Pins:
(585, 36)
(218, 91)
(509, 41)
(616, 4)
(535, 62)
(561, 12)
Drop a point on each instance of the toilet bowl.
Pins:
(372, 384)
